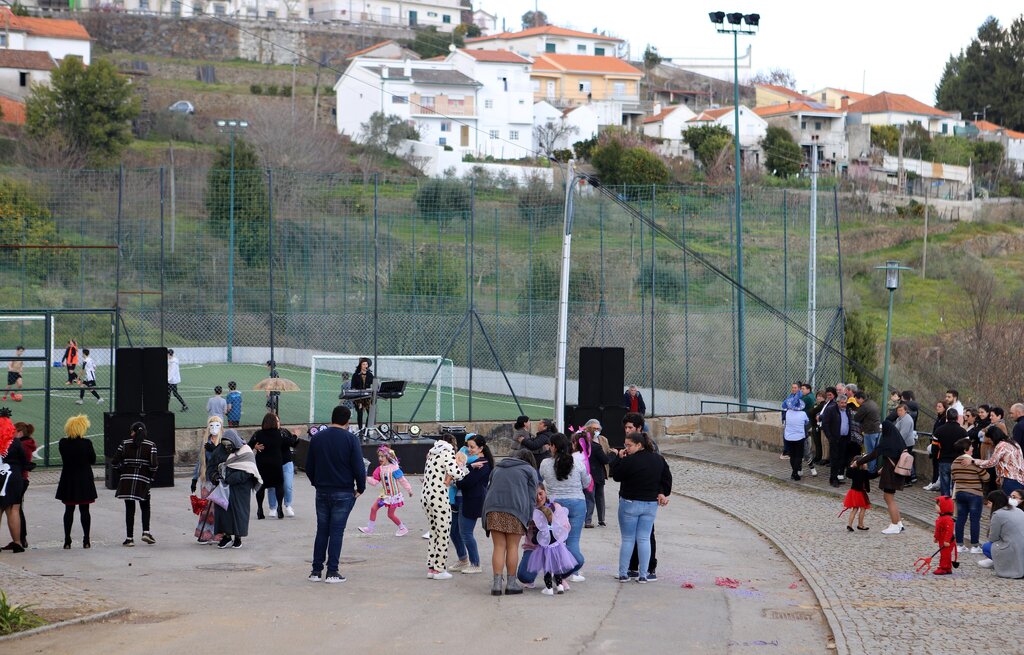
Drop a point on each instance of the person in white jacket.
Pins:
(174, 379)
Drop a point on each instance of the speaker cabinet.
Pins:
(611, 425)
(154, 380)
(128, 380)
(590, 377)
(159, 429)
(602, 377)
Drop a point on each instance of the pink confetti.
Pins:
(687, 585)
(727, 582)
(794, 585)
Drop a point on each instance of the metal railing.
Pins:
(729, 404)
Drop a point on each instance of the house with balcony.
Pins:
(766, 95)
(551, 40)
(609, 85)
(833, 97)
(445, 15)
(812, 125)
(59, 38)
(753, 129)
(897, 109)
(249, 9)
(504, 100)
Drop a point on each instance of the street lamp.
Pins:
(892, 270)
(735, 27)
(231, 126)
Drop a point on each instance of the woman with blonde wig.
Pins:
(76, 487)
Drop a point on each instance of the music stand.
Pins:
(390, 390)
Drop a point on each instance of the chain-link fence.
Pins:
(467, 270)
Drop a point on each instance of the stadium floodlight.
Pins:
(717, 17)
(231, 126)
(752, 19)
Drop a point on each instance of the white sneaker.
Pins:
(365, 530)
(443, 575)
(547, 591)
(985, 563)
(79, 401)
(458, 566)
(576, 577)
(841, 477)
(471, 569)
(976, 550)
(931, 487)
(814, 472)
(961, 549)
(894, 528)
(560, 589)
(288, 511)
(426, 535)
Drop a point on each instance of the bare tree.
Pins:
(777, 76)
(551, 133)
(284, 141)
(54, 150)
(982, 291)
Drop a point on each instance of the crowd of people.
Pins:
(977, 461)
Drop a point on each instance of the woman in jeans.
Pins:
(565, 477)
(968, 486)
(644, 483)
(474, 490)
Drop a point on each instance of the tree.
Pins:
(550, 135)
(427, 273)
(982, 290)
(630, 166)
(431, 43)
(861, 349)
(708, 142)
(443, 200)
(783, 156)
(284, 141)
(540, 203)
(250, 201)
(989, 72)
(92, 106)
(534, 19)
(886, 137)
(386, 132)
(954, 150)
(25, 220)
(651, 57)
(777, 76)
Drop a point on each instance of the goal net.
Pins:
(327, 379)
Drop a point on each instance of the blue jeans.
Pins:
(577, 515)
(968, 505)
(522, 574)
(987, 549)
(289, 479)
(466, 526)
(870, 443)
(636, 518)
(332, 510)
(946, 478)
(1009, 486)
(456, 534)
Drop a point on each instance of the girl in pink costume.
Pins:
(389, 477)
(550, 554)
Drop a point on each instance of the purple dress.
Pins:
(551, 555)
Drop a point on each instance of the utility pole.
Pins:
(812, 269)
(901, 175)
(316, 95)
(924, 255)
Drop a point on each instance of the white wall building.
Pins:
(445, 15)
(898, 109)
(550, 39)
(812, 125)
(505, 100)
(753, 129)
(21, 69)
(486, 21)
(668, 122)
(250, 9)
(1012, 141)
(566, 126)
(58, 37)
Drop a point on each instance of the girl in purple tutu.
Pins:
(551, 555)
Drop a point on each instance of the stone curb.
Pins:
(89, 618)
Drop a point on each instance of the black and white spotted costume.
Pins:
(441, 462)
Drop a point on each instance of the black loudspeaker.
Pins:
(591, 363)
(128, 380)
(584, 413)
(154, 380)
(613, 376)
(159, 429)
(611, 425)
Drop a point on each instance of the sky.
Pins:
(899, 46)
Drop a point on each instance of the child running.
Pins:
(857, 497)
(389, 477)
(14, 370)
(88, 378)
(550, 555)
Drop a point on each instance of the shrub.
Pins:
(539, 203)
(256, 89)
(272, 90)
(15, 618)
(443, 200)
(563, 155)
(286, 91)
(429, 272)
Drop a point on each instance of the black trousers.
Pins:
(172, 390)
(634, 560)
(837, 457)
(816, 440)
(261, 494)
(796, 455)
(129, 516)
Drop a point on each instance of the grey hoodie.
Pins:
(512, 490)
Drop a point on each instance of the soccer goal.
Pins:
(327, 378)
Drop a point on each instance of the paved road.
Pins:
(190, 598)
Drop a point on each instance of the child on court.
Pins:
(944, 527)
(70, 361)
(389, 477)
(234, 405)
(857, 497)
(88, 378)
(550, 554)
(14, 370)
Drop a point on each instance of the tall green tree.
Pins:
(250, 201)
(783, 156)
(92, 106)
(861, 347)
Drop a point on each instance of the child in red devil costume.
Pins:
(944, 535)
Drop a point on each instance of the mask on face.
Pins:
(228, 446)
(215, 428)
(1014, 502)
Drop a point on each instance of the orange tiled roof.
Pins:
(662, 115)
(710, 115)
(894, 102)
(544, 29)
(854, 96)
(1013, 134)
(368, 49)
(583, 64)
(987, 126)
(497, 56)
(26, 60)
(786, 92)
(51, 27)
(792, 108)
(14, 111)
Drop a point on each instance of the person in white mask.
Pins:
(204, 528)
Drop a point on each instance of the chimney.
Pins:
(657, 108)
(407, 69)
(844, 103)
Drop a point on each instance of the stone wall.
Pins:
(214, 40)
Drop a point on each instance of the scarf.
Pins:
(586, 447)
(243, 458)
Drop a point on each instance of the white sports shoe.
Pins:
(894, 528)
(576, 577)
(814, 472)
(961, 549)
(985, 563)
(931, 487)
(288, 511)
(426, 535)
(976, 550)
(841, 477)
(548, 591)
(443, 575)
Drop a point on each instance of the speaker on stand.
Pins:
(154, 380)
(128, 380)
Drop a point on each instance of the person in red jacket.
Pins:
(944, 535)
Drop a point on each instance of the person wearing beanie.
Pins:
(944, 535)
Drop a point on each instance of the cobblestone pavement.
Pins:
(51, 598)
(865, 581)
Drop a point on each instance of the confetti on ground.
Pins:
(727, 582)
(688, 585)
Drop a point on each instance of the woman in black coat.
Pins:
(889, 449)
(268, 444)
(362, 379)
(76, 487)
(12, 462)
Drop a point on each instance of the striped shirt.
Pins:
(1008, 461)
(967, 477)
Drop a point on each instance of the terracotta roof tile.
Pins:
(710, 115)
(51, 27)
(987, 126)
(368, 49)
(662, 115)
(26, 60)
(583, 63)
(1013, 134)
(497, 56)
(793, 108)
(790, 93)
(894, 102)
(854, 96)
(553, 30)
(14, 111)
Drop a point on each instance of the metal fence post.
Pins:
(162, 257)
(654, 291)
(270, 255)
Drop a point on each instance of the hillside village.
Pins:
(511, 100)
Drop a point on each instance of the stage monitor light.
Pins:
(384, 428)
(414, 430)
(717, 17)
(752, 19)
(734, 18)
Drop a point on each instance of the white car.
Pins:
(182, 107)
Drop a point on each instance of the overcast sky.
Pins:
(880, 45)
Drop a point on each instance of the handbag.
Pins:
(219, 496)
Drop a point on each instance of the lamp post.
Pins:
(735, 27)
(231, 126)
(892, 270)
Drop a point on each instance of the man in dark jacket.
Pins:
(869, 416)
(946, 436)
(835, 423)
(1017, 414)
(540, 443)
(633, 401)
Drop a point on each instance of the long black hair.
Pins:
(482, 442)
(137, 431)
(999, 500)
(563, 456)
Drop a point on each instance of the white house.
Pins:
(384, 50)
(21, 69)
(505, 100)
(667, 124)
(550, 39)
(564, 127)
(250, 9)
(898, 109)
(487, 22)
(812, 125)
(58, 37)
(445, 15)
(1012, 141)
(753, 129)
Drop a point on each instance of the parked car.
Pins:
(182, 107)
